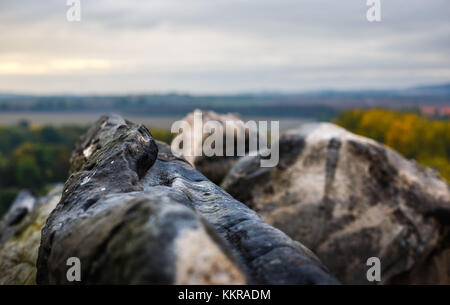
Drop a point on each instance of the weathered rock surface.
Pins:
(215, 168)
(348, 198)
(134, 213)
(20, 235)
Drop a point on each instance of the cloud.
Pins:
(60, 67)
(215, 46)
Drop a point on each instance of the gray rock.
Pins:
(215, 168)
(22, 206)
(348, 198)
(20, 235)
(134, 213)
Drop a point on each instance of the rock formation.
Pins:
(20, 235)
(134, 213)
(348, 198)
(214, 168)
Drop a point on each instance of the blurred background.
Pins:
(155, 61)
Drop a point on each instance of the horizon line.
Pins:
(237, 93)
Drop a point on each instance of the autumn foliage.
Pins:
(423, 139)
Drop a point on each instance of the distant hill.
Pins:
(434, 90)
(317, 104)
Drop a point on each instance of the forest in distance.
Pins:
(414, 136)
(33, 156)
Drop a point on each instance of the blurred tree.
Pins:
(50, 135)
(376, 123)
(350, 119)
(426, 140)
(28, 173)
(405, 134)
(7, 196)
(34, 156)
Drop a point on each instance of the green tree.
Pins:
(28, 173)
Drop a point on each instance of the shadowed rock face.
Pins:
(19, 209)
(349, 198)
(134, 213)
(20, 235)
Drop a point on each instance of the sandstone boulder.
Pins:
(20, 236)
(134, 213)
(214, 167)
(348, 198)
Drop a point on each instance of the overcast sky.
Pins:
(221, 46)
